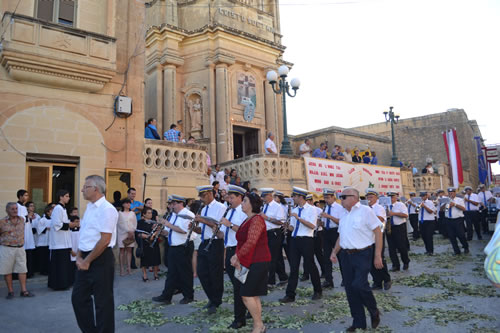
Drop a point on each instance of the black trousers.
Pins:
(442, 224)
(456, 230)
(484, 220)
(380, 275)
(30, 263)
(165, 252)
(43, 256)
(210, 270)
(97, 281)
(473, 221)
(329, 240)
(427, 228)
(397, 241)
(318, 253)
(414, 224)
(239, 307)
(355, 268)
(302, 247)
(274, 240)
(180, 271)
(60, 269)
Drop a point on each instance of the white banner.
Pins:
(323, 173)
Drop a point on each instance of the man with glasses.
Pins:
(359, 229)
(397, 240)
(454, 219)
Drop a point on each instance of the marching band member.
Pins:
(426, 220)
(273, 214)
(471, 213)
(330, 218)
(318, 241)
(485, 196)
(381, 277)
(413, 216)
(304, 221)
(180, 269)
(441, 225)
(454, 219)
(210, 267)
(397, 240)
(231, 224)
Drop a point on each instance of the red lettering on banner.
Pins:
(338, 184)
(326, 182)
(312, 163)
(367, 171)
(377, 171)
(391, 186)
(339, 175)
(381, 179)
(396, 179)
(312, 172)
(391, 173)
(318, 189)
(383, 186)
(397, 186)
(332, 174)
(320, 165)
(324, 173)
(351, 171)
(337, 167)
(331, 167)
(398, 174)
(389, 179)
(383, 172)
(317, 181)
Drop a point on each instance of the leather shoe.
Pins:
(387, 285)
(287, 299)
(186, 300)
(351, 329)
(375, 319)
(304, 278)
(327, 284)
(395, 269)
(209, 304)
(316, 296)
(376, 287)
(237, 325)
(162, 299)
(406, 266)
(212, 309)
(466, 251)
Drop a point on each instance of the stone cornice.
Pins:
(335, 129)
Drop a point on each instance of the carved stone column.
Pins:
(169, 96)
(271, 112)
(222, 113)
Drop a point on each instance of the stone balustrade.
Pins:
(428, 182)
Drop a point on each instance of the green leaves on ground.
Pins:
(443, 316)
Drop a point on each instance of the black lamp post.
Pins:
(390, 116)
(283, 89)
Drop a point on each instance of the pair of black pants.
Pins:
(276, 266)
(484, 220)
(302, 247)
(180, 271)
(427, 228)
(442, 224)
(398, 242)
(473, 221)
(330, 237)
(165, 253)
(43, 256)
(414, 224)
(97, 281)
(239, 307)
(355, 269)
(380, 275)
(210, 270)
(456, 230)
(318, 253)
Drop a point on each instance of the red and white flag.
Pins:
(453, 152)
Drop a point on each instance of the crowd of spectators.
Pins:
(338, 154)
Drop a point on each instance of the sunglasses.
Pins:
(344, 196)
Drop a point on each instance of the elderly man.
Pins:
(269, 145)
(471, 213)
(305, 148)
(359, 229)
(12, 254)
(454, 219)
(95, 261)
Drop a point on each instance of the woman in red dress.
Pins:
(253, 253)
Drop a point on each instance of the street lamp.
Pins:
(283, 89)
(390, 116)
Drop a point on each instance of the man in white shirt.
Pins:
(274, 216)
(318, 241)
(303, 221)
(485, 197)
(210, 267)
(219, 174)
(269, 145)
(359, 229)
(305, 148)
(381, 277)
(397, 238)
(330, 218)
(95, 261)
(231, 223)
(471, 213)
(454, 219)
(413, 215)
(427, 221)
(180, 269)
(210, 175)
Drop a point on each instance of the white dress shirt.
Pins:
(484, 197)
(303, 147)
(212, 179)
(214, 210)
(58, 238)
(41, 226)
(411, 209)
(334, 210)
(275, 211)
(270, 144)
(176, 238)
(356, 227)
(34, 224)
(454, 212)
(379, 211)
(236, 217)
(308, 213)
(220, 177)
(469, 206)
(398, 207)
(424, 215)
(75, 238)
(29, 239)
(100, 216)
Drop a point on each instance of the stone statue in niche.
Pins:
(195, 109)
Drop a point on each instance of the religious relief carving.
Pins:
(247, 95)
(194, 108)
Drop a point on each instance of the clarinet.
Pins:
(216, 231)
(155, 233)
(193, 225)
(286, 224)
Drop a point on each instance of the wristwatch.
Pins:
(231, 226)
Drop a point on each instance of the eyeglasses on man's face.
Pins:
(344, 196)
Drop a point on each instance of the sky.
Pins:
(356, 58)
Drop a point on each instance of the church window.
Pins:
(58, 11)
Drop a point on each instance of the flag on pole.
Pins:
(453, 153)
(481, 163)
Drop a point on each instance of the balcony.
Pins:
(55, 55)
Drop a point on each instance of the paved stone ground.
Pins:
(438, 294)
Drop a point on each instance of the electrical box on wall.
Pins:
(124, 105)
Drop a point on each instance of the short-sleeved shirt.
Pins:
(275, 211)
(469, 206)
(100, 216)
(398, 207)
(356, 227)
(214, 210)
(319, 153)
(424, 215)
(236, 217)
(484, 197)
(136, 204)
(308, 213)
(454, 212)
(176, 238)
(305, 148)
(269, 144)
(334, 210)
(12, 233)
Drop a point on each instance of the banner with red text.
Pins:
(323, 173)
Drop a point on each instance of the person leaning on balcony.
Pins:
(172, 134)
(305, 148)
(356, 158)
(320, 152)
(150, 132)
(270, 146)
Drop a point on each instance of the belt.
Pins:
(351, 251)
(230, 247)
(16, 246)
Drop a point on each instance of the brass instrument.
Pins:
(217, 229)
(194, 224)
